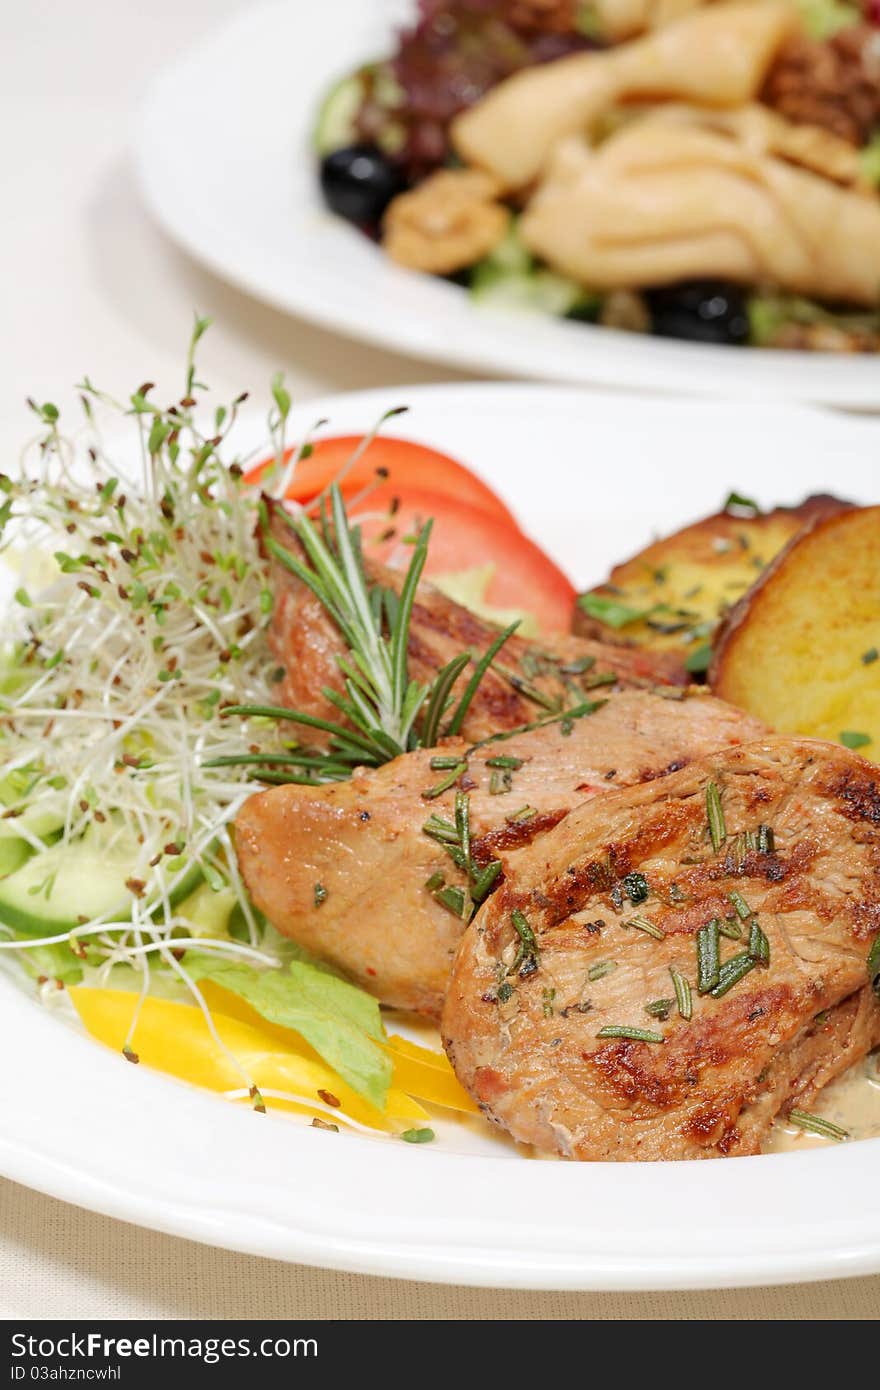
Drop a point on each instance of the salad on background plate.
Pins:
(608, 162)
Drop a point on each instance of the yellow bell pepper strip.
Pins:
(174, 1038)
(427, 1074)
(418, 1071)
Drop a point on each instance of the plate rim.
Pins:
(31, 1152)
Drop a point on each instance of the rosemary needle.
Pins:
(715, 816)
(683, 996)
(620, 1030)
(708, 957)
(815, 1124)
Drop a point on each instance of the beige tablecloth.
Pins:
(59, 1262)
(90, 286)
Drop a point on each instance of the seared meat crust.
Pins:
(524, 1040)
(306, 644)
(363, 840)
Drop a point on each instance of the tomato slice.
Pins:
(524, 578)
(409, 465)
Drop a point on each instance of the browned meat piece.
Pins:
(306, 643)
(831, 1042)
(524, 1021)
(363, 840)
(834, 82)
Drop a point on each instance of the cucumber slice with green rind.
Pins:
(54, 890)
(13, 853)
(335, 125)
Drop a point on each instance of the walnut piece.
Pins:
(824, 337)
(834, 84)
(625, 309)
(446, 223)
(547, 16)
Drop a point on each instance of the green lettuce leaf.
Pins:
(52, 963)
(339, 1021)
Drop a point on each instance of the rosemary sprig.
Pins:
(715, 816)
(647, 926)
(741, 907)
(601, 969)
(731, 972)
(439, 698)
(446, 782)
(874, 965)
(381, 707)
(759, 945)
(473, 684)
(766, 839)
(815, 1124)
(455, 837)
(620, 1030)
(732, 930)
(683, 997)
(708, 957)
(528, 954)
(659, 1008)
(564, 716)
(380, 700)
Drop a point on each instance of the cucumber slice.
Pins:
(335, 126)
(43, 824)
(13, 853)
(52, 891)
(209, 910)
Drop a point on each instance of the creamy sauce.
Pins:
(852, 1102)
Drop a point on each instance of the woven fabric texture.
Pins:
(57, 1261)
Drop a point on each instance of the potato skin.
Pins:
(719, 555)
(792, 650)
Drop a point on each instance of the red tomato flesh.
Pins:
(408, 465)
(464, 538)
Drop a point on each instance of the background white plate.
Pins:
(591, 477)
(225, 163)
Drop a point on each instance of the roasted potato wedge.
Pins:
(673, 594)
(801, 650)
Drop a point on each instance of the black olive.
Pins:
(702, 311)
(358, 183)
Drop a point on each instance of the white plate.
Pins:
(591, 477)
(225, 163)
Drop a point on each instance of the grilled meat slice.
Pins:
(363, 840)
(526, 680)
(522, 1020)
(833, 1041)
